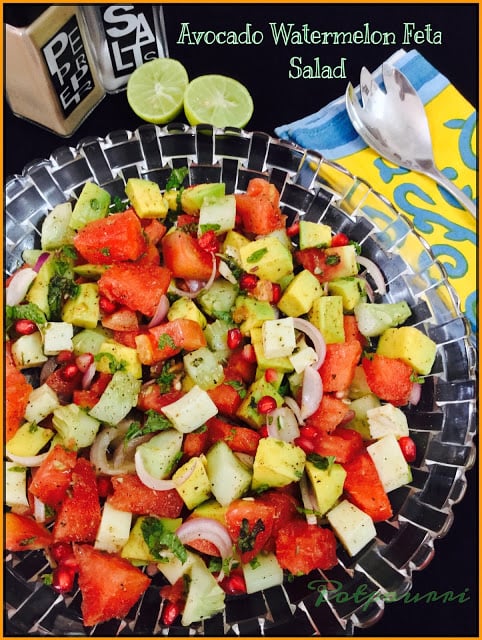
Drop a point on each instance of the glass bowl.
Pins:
(443, 424)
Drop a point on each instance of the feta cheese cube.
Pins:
(279, 337)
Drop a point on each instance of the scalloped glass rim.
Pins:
(443, 424)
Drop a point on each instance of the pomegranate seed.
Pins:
(25, 327)
(249, 353)
(263, 432)
(64, 356)
(70, 562)
(276, 293)
(170, 612)
(340, 240)
(234, 338)
(83, 361)
(60, 551)
(293, 230)
(270, 375)
(107, 306)
(234, 584)
(69, 371)
(103, 486)
(266, 404)
(63, 579)
(209, 241)
(248, 281)
(309, 432)
(408, 447)
(306, 444)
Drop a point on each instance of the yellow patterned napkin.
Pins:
(447, 227)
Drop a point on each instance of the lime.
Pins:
(217, 100)
(155, 90)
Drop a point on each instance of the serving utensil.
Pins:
(394, 123)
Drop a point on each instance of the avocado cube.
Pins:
(232, 244)
(281, 363)
(299, 295)
(83, 310)
(250, 313)
(218, 299)
(314, 234)
(268, 258)
(135, 549)
(410, 345)
(203, 367)
(39, 290)
(351, 289)
(196, 488)
(186, 308)
(146, 198)
(211, 509)
(113, 355)
(248, 409)
(28, 440)
(277, 463)
(93, 203)
(327, 484)
(327, 316)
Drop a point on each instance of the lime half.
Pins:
(155, 90)
(217, 100)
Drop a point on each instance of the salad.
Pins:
(196, 388)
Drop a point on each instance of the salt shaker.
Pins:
(122, 38)
(50, 76)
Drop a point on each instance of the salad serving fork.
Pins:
(394, 123)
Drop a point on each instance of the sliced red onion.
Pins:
(47, 368)
(147, 479)
(246, 458)
(199, 286)
(415, 394)
(19, 285)
(83, 361)
(88, 375)
(28, 461)
(295, 408)
(98, 453)
(161, 311)
(375, 273)
(308, 500)
(39, 510)
(282, 424)
(124, 451)
(311, 392)
(41, 260)
(316, 338)
(206, 529)
(226, 272)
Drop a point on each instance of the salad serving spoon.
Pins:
(394, 123)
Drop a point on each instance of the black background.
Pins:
(279, 100)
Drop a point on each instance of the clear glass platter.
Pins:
(443, 424)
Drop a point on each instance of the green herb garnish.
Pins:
(159, 539)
